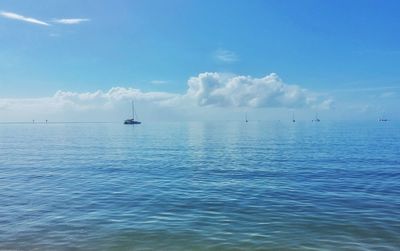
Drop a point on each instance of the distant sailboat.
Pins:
(246, 118)
(132, 121)
(316, 118)
(293, 120)
(383, 119)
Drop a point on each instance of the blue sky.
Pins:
(346, 51)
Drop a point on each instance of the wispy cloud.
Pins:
(15, 16)
(388, 95)
(71, 20)
(365, 89)
(159, 82)
(54, 35)
(378, 52)
(226, 56)
(68, 21)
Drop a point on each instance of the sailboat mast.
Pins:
(133, 110)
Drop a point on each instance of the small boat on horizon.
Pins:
(316, 118)
(246, 118)
(132, 121)
(383, 119)
(293, 120)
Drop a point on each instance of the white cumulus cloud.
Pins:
(15, 16)
(115, 94)
(209, 91)
(215, 89)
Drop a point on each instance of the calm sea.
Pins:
(200, 186)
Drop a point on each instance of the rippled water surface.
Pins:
(200, 186)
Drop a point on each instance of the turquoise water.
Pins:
(200, 186)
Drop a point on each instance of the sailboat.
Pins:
(383, 119)
(316, 118)
(246, 118)
(132, 121)
(293, 120)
